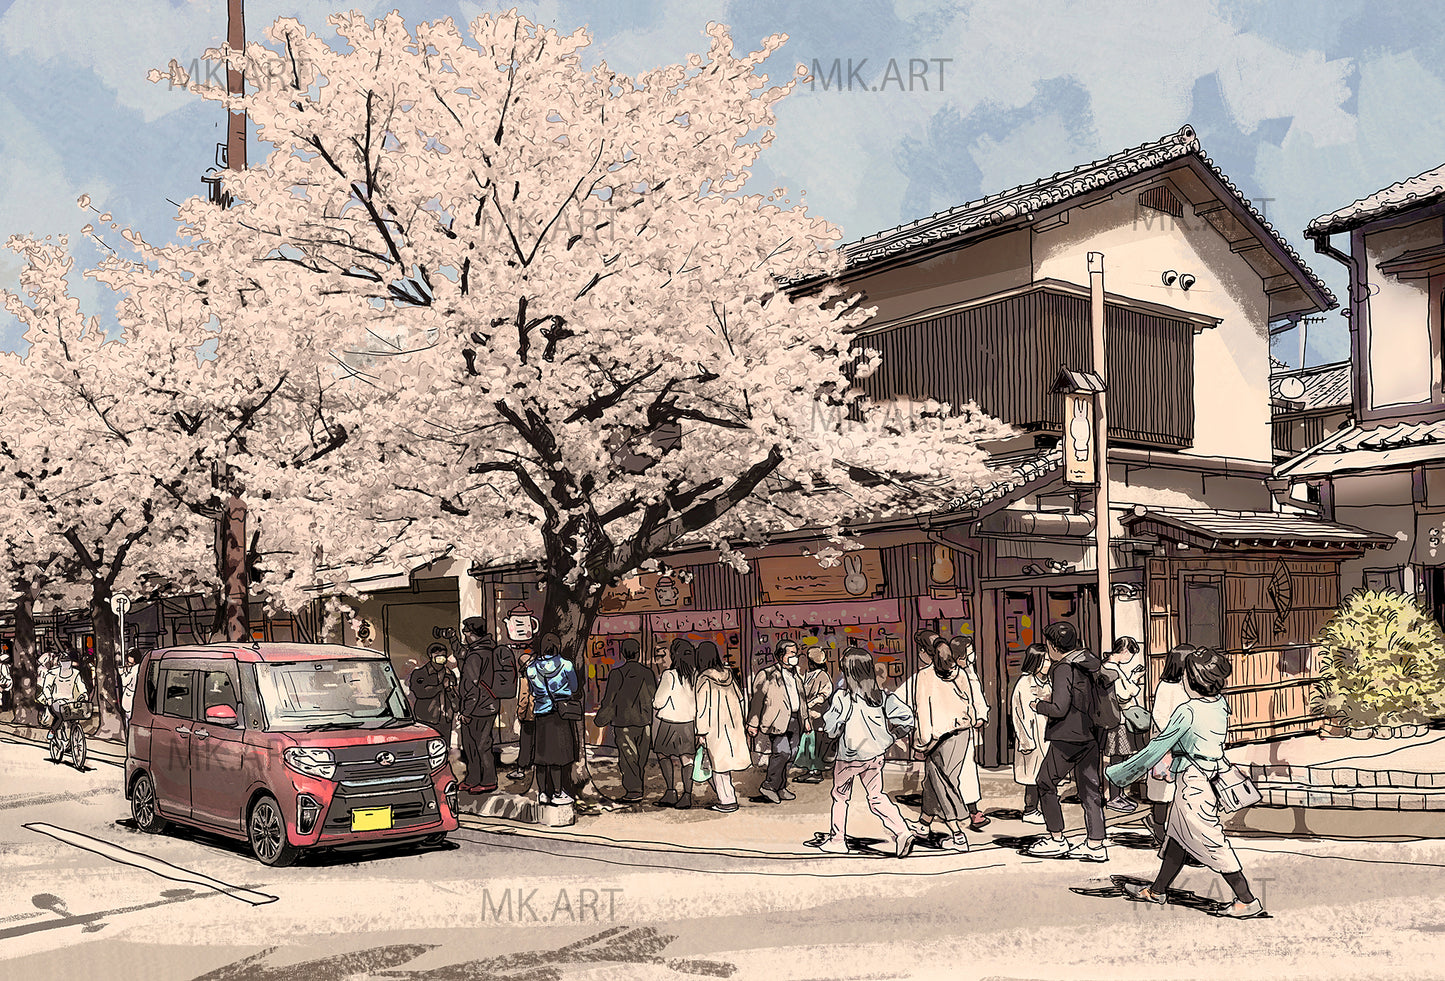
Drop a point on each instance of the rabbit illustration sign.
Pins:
(802, 578)
(1079, 438)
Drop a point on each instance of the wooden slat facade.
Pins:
(1005, 357)
(1273, 673)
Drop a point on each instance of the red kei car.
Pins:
(288, 746)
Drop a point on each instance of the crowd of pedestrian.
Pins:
(1076, 717)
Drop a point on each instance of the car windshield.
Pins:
(340, 694)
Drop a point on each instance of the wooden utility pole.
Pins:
(231, 541)
(236, 84)
(1101, 450)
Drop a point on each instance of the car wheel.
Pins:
(266, 830)
(440, 838)
(77, 747)
(143, 807)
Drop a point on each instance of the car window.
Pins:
(153, 683)
(176, 693)
(218, 688)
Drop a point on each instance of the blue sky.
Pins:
(1305, 105)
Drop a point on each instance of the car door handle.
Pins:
(182, 731)
(202, 734)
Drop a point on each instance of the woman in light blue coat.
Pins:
(1195, 738)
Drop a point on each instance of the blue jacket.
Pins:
(550, 679)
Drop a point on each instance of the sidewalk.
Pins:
(758, 828)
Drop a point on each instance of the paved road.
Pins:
(84, 896)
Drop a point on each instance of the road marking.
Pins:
(149, 863)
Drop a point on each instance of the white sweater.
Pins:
(675, 701)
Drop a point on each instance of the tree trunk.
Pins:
(26, 660)
(569, 613)
(231, 564)
(107, 662)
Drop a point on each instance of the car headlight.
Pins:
(436, 750)
(310, 761)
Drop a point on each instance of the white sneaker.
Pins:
(1032, 817)
(1049, 848)
(834, 846)
(1088, 853)
(561, 798)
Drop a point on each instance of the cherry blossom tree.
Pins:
(575, 319)
(83, 462)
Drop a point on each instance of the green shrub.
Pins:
(1384, 662)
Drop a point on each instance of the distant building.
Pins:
(1307, 405)
(1386, 472)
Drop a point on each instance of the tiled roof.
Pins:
(1326, 385)
(1027, 199)
(1378, 448)
(1012, 477)
(1415, 192)
(1253, 528)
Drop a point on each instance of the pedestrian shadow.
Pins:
(1177, 897)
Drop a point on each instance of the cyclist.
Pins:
(60, 686)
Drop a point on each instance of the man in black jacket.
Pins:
(627, 707)
(483, 668)
(1076, 744)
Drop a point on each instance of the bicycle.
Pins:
(68, 736)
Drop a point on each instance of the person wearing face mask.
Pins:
(60, 686)
(775, 712)
(434, 691)
(817, 689)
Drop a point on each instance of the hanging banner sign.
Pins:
(1079, 447)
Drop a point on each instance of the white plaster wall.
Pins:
(1403, 370)
(1231, 362)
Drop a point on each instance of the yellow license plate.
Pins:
(371, 819)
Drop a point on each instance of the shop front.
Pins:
(874, 625)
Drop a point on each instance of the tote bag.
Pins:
(1234, 790)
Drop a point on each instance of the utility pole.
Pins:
(236, 84)
(1101, 449)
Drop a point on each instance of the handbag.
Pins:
(1137, 718)
(701, 772)
(1234, 789)
(569, 709)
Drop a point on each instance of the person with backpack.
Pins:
(486, 670)
(867, 722)
(1080, 710)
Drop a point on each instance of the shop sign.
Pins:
(645, 593)
(1079, 439)
(803, 578)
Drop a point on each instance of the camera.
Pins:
(444, 633)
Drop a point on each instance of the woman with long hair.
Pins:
(552, 681)
(944, 736)
(675, 724)
(720, 724)
(1030, 745)
(866, 721)
(1125, 664)
(1194, 739)
(1168, 696)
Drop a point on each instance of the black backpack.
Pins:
(1104, 711)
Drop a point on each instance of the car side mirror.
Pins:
(222, 715)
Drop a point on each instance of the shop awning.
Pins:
(683, 621)
(625, 624)
(946, 609)
(828, 614)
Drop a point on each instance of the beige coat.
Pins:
(769, 708)
(942, 706)
(1031, 745)
(720, 722)
(817, 690)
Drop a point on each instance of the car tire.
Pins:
(440, 838)
(266, 831)
(144, 807)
